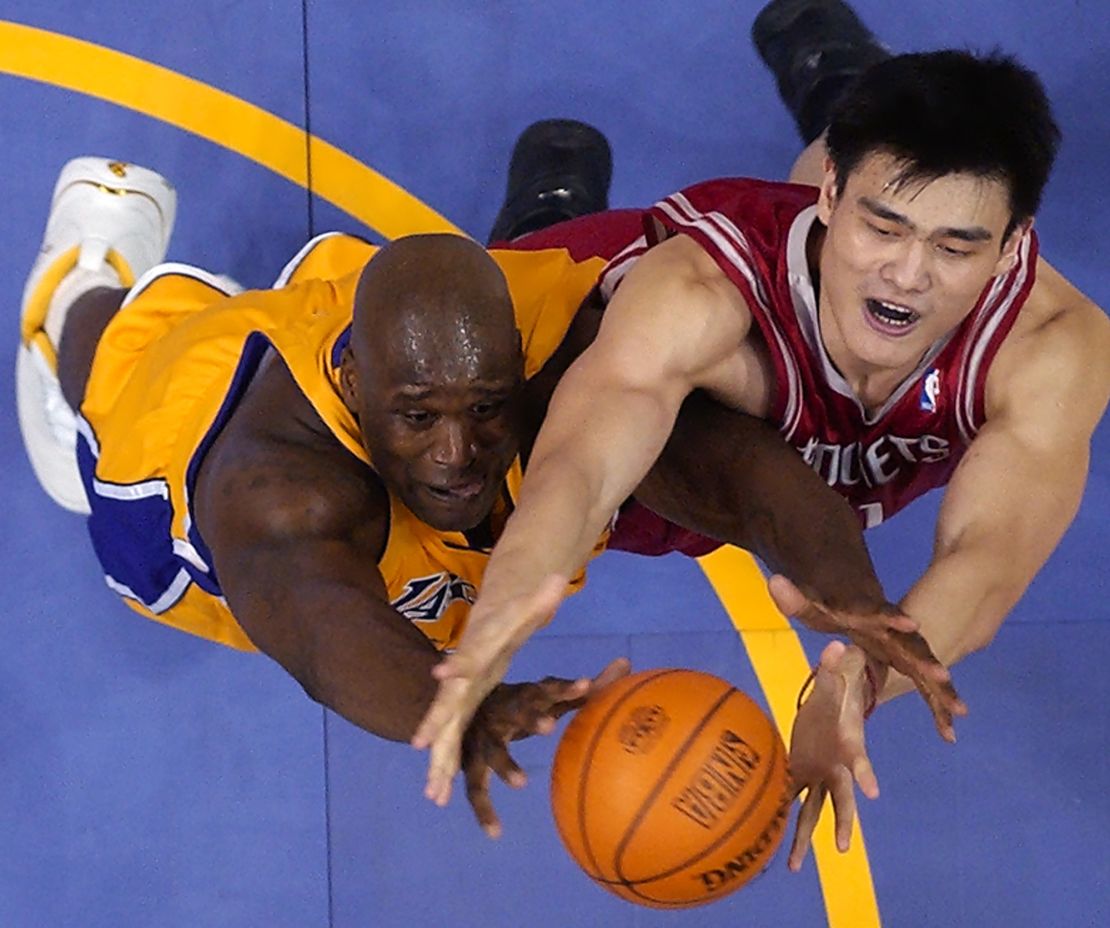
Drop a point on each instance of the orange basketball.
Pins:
(669, 788)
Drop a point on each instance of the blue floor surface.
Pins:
(150, 779)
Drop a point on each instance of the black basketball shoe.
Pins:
(815, 49)
(560, 169)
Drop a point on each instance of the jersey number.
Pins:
(872, 514)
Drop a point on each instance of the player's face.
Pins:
(441, 430)
(902, 265)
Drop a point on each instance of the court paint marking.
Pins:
(280, 146)
(219, 117)
(781, 665)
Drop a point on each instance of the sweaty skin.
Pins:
(677, 324)
(433, 371)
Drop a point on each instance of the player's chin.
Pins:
(448, 512)
(883, 351)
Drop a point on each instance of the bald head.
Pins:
(429, 299)
(433, 370)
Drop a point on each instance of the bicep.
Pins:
(295, 535)
(278, 589)
(1022, 478)
(670, 326)
(1015, 493)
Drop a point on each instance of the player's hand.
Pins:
(513, 711)
(890, 637)
(494, 633)
(827, 749)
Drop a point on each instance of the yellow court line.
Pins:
(780, 664)
(373, 199)
(219, 117)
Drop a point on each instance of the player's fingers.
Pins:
(820, 620)
(952, 699)
(944, 695)
(439, 712)
(443, 764)
(900, 622)
(943, 701)
(844, 808)
(472, 659)
(613, 671)
(913, 650)
(942, 718)
(831, 656)
(787, 597)
(545, 724)
(864, 774)
(807, 821)
(450, 706)
(562, 698)
(581, 690)
(499, 760)
(476, 775)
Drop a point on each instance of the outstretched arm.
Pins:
(296, 526)
(1020, 483)
(674, 319)
(731, 476)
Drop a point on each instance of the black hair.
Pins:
(951, 112)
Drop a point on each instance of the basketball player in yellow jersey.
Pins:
(225, 445)
(320, 470)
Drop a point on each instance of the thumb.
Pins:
(786, 596)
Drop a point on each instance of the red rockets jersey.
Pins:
(756, 231)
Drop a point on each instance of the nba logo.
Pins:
(930, 390)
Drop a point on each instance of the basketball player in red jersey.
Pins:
(893, 321)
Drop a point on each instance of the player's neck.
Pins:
(872, 384)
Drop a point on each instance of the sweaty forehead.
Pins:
(445, 348)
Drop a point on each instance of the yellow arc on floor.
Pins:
(282, 147)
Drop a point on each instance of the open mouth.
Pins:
(890, 318)
(460, 492)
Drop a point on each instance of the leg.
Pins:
(815, 49)
(109, 223)
(809, 168)
(560, 169)
(86, 319)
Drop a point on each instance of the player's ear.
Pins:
(348, 380)
(1008, 258)
(826, 198)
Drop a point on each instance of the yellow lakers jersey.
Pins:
(167, 375)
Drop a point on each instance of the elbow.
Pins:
(980, 638)
(291, 650)
(311, 682)
(981, 633)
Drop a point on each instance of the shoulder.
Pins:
(277, 476)
(678, 284)
(1053, 369)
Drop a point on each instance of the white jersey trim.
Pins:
(619, 265)
(86, 432)
(298, 259)
(172, 594)
(217, 282)
(132, 491)
(996, 308)
(734, 247)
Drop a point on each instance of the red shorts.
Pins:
(641, 531)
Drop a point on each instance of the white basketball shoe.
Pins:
(109, 223)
